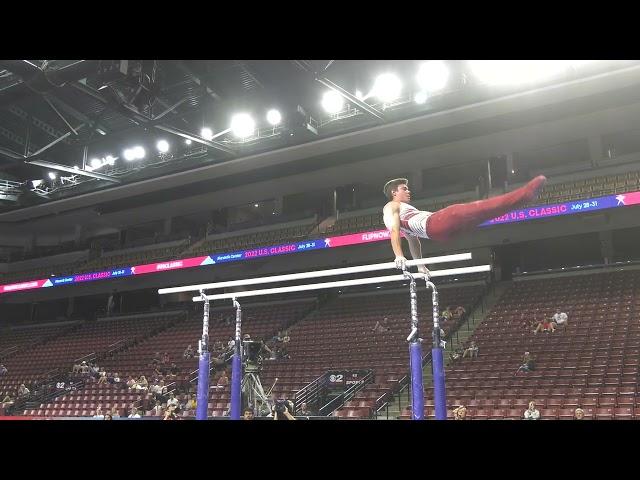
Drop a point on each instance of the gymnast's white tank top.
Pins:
(412, 221)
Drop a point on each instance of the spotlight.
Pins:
(359, 95)
(163, 146)
(433, 76)
(387, 87)
(110, 160)
(274, 117)
(96, 163)
(52, 175)
(242, 125)
(188, 141)
(256, 205)
(36, 183)
(129, 154)
(332, 101)
(138, 152)
(206, 133)
(506, 72)
(420, 98)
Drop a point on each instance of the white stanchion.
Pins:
(345, 283)
(458, 257)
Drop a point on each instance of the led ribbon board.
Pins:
(522, 215)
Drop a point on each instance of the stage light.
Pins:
(206, 133)
(96, 163)
(242, 125)
(129, 154)
(274, 117)
(138, 152)
(359, 95)
(514, 72)
(162, 146)
(110, 160)
(387, 87)
(256, 205)
(332, 102)
(433, 76)
(52, 176)
(36, 183)
(188, 141)
(420, 98)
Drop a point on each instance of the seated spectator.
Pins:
(471, 350)
(84, 367)
(532, 413)
(282, 353)
(173, 401)
(171, 413)
(23, 391)
(99, 414)
(3, 369)
(545, 326)
(114, 412)
(131, 382)
(76, 368)
(116, 379)
(159, 390)
(578, 414)
(174, 370)
(191, 403)
(217, 346)
(7, 401)
(460, 311)
(447, 314)
(460, 413)
(559, 318)
(456, 355)
(135, 413)
(231, 343)
(165, 359)
(188, 353)
(382, 327)
(102, 378)
(142, 384)
(108, 416)
(305, 411)
(528, 363)
(157, 410)
(286, 338)
(248, 414)
(223, 381)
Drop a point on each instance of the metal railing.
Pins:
(347, 395)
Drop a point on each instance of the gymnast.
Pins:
(446, 224)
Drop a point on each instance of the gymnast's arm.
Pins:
(393, 210)
(416, 252)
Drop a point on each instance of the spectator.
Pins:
(223, 381)
(23, 391)
(142, 384)
(76, 368)
(131, 383)
(532, 413)
(188, 353)
(134, 413)
(114, 412)
(3, 369)
(171, 413)
(231, 343)
(460, 413)
(578, 414)
(217, 347)
(173, 401)
(381, 327)
(156, 359)
(471, 350)
(447, 314)
(116, 378)
(305, 411)
(528, 363)
(102, 378)
(157, 410)
(7, 401)
(165, 359)
(455, 355)
(286, 338)
(191, 405)
(248, 414)
(108, 416)
(174, 370)
(559, 318)
(460, 311)
(84, 368)
(546, 326)
(99, 414)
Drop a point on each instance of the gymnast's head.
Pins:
(398, 190)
